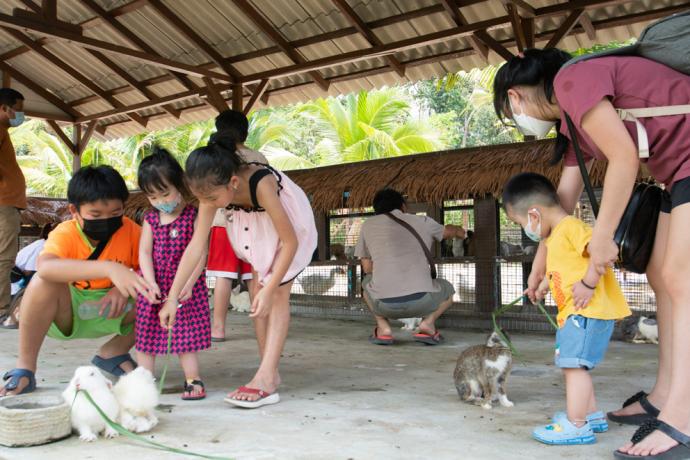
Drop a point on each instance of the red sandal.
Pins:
(265, 398)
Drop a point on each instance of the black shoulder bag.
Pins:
(637, 228)
(427, 253)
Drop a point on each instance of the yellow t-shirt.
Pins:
(566, 264)
(68, 241)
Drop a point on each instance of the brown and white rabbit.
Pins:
(482, 373)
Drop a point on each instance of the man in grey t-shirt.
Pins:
(397, 282)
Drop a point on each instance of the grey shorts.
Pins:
(419, 307)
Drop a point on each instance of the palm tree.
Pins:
(367, 126)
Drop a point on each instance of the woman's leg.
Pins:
(278, 321)
(663, 307)
(676, 272)
(221, 301)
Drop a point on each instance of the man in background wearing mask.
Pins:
(85, 284)
(12, 192)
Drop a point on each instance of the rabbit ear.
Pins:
(110, 384)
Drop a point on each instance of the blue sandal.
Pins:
(564, 433)
(14, 375)
(112, 365)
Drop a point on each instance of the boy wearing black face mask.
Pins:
(87, 262)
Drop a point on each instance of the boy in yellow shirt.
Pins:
(588, 304)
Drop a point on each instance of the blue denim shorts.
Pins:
(582, 342)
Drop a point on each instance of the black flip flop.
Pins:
(680, 452)
(217, 339)
(651, 412)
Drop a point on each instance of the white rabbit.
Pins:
(85, 418)
(137, 395)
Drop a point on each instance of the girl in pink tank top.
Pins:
(271, 225)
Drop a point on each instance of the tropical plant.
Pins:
(366, 126)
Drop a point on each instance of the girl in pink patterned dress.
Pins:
(271, 225)
(166, 232)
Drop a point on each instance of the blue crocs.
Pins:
(597, 421)
(564, 433)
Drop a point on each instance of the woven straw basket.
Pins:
(29, 420)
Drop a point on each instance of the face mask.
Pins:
(17, 120)
(169, 206)
(533, 235)
(101, 229)
(530, 126)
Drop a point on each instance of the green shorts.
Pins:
(91, 328)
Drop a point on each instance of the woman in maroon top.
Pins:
(532, 91)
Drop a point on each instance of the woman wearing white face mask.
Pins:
(533, 91)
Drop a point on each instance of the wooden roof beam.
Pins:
(267, 28)
(215, 98)
(16, 22)
(565, 28)
(131, 81)
(71, 146)
(367, 33)
(195, 38)
(516, 22)
(72, 72)
(40, 90)
(526, 10)
(403, 44)
(586, 24)
(109, 17)
(258, 93)
(459, 19)
(130, 7)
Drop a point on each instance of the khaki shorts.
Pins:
(416, 308)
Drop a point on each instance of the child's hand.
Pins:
(186, 293)
(167, 314)
(129, 283)
(533, 282)
(117, 303)
(542, 289)
(156, 291)
(581, 295)
(261, 305)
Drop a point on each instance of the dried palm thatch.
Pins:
(424, 178)
(430, 177)
(41, 211)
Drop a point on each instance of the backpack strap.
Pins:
(427, 253)
(583, 167)
(648, 112)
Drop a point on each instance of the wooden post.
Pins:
(487, 281)
(324, 235)
(76, 153)
(6, 79)
(237, 97)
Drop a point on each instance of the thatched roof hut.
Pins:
(41, 211)
(425, 178)
(430, 177)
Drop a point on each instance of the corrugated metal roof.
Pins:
(225, 27)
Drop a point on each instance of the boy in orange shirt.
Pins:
(88, 259)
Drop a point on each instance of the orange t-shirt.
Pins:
(68, 241)
(12, 183)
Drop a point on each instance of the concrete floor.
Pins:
(343, 398)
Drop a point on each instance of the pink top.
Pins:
(255, 240)
(630, 82)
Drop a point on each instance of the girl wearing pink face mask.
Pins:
(165, 234)
(536, 93)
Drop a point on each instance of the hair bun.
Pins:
(222, 140)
